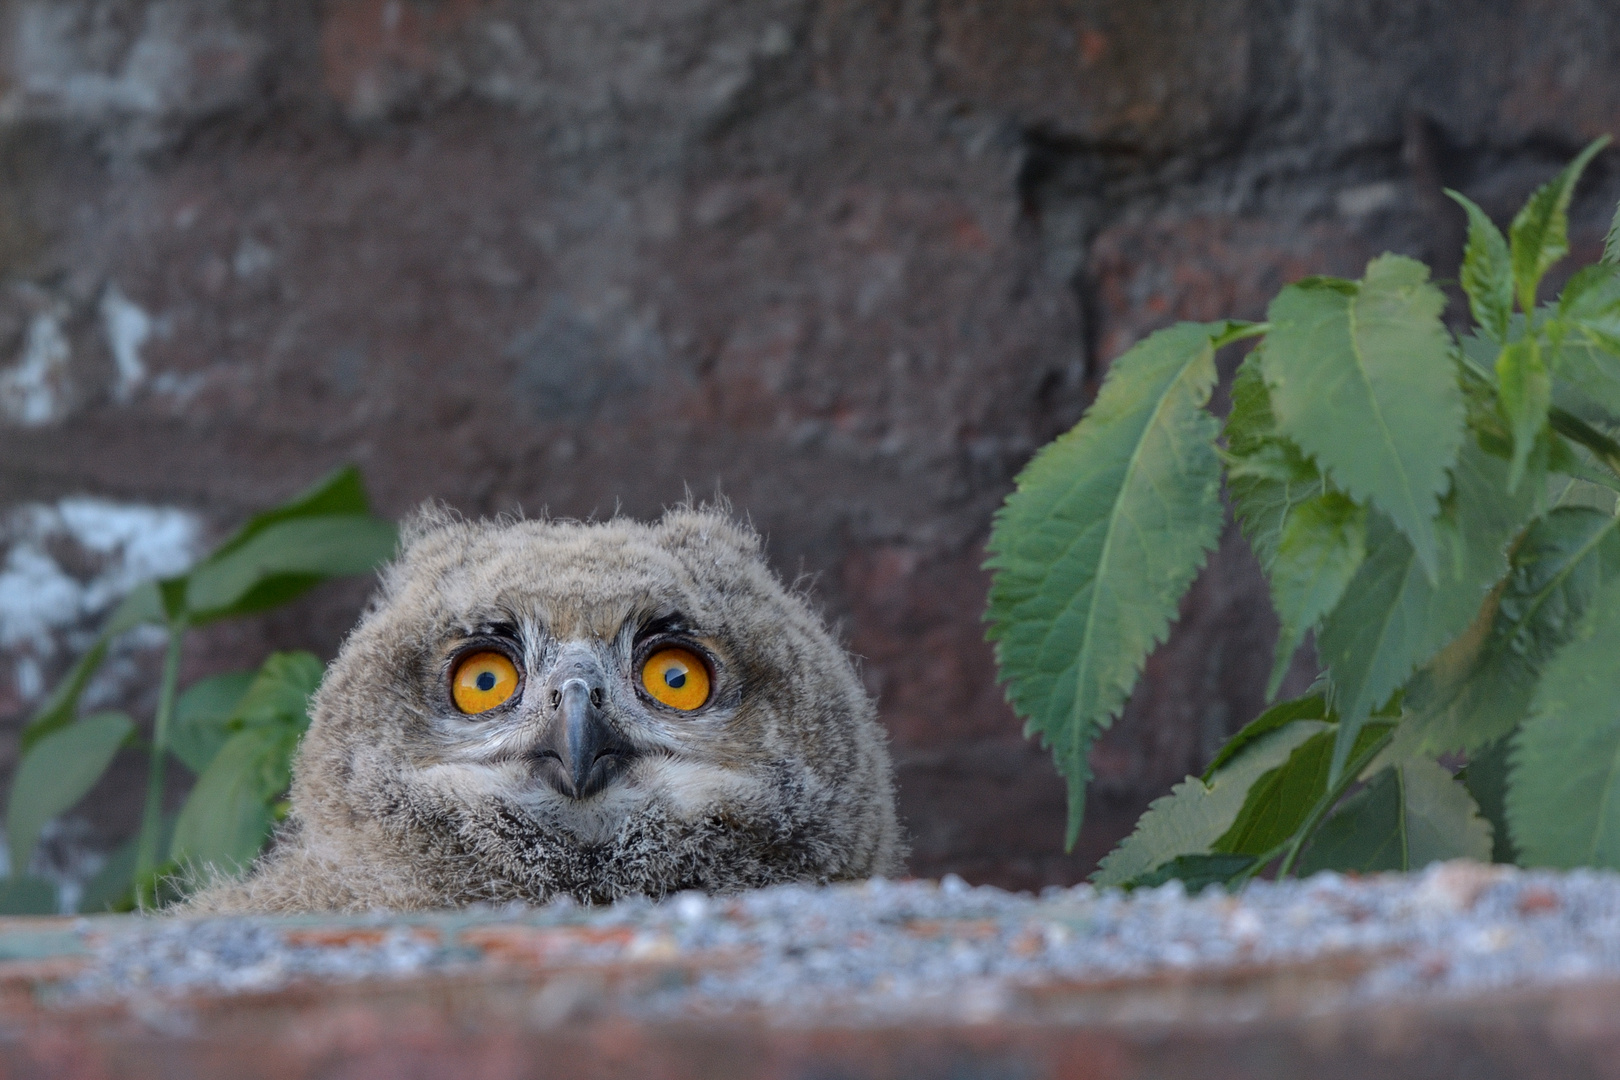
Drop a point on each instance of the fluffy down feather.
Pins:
(399, 800)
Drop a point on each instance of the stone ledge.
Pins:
(1461, 970)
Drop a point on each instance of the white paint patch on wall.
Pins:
(33, 390)
(127, 328)
(73, 61)
(67, 563)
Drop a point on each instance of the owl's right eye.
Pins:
(482, 681)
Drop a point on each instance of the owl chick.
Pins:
(534, 709)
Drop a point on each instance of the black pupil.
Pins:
(674, 678)
(486, 680)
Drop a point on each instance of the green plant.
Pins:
(1440, 512)
(236, 732)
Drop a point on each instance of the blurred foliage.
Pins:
(236, 732)
(1440, 512)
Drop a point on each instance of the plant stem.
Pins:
(1308, 827)
(1240, 333)
(146, 858)
(1566, 424)
(1575, 429)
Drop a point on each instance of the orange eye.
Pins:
(483, 681)
(677, 678)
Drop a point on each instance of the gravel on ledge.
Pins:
(893, 949)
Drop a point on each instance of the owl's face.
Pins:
(579, 712)
(569, 683)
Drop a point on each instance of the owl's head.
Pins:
(583, 679)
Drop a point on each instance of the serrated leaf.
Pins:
(1104, 532)
(1361, 378)
(1539, 236)
(202, 715)
(1266, 475)
(1563, 800)
(1195, 872)
(1591, 295)
(1479, 688)
(1611, 243)
(1410, 815)
(284, 559)
(1195, 814)
(1485, 777)
(1393, 617)
(227, 817)
(1323, 543)
(1524, 391)
(56, 772)
(1487, 271)
(1312, 706)
(1586, 378)
(1279, 802)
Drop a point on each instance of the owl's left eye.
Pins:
(482, 681)
(677, 678)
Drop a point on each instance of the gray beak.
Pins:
(581, 753)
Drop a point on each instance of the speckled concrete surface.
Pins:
(1460, 970)
(897, 949)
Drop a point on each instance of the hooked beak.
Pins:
(581, 752)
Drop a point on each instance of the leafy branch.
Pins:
(236, 732)
(1440, 513)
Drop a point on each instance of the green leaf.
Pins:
(1104, 532)
(113, 886)
(1563, 799)
(1611, 243)
(56, 773)
(280, 691)
(1393, 616)
(1323, 543)
(202, 715)
(1267, 475)
(1591, 295)
(1310, 707)
(1195, 872)
(59, 710)
(1587, 377)
(143, 605)
(1195, 814)
(1361, 378)
(1524, 391)
(27, 896)
(284, 559)
(1585, 346)
(1487, 271)
(230, 811)
(1279, 802)
(340, 493)
(1412, 814)
(228, 815)
(1479, 687)
(1540, 232)
(1485, 777)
